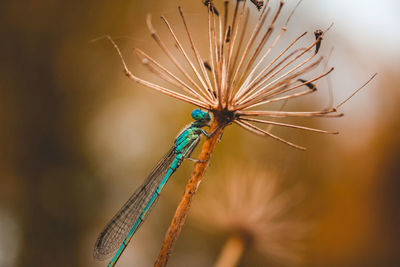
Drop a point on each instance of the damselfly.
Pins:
(119, 231)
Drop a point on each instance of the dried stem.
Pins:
(254, 129)
(190, 190)
(355, 92)
(231, 252)
(197, 54)
(153, 86)
(288, 125)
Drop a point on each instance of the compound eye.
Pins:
(197, 114)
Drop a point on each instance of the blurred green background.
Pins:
(77, 137)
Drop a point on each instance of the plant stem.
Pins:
(190, 190)
(231, 252)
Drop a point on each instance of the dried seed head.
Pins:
(240, 77)
(256, 212)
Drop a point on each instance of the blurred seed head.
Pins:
(248, 203)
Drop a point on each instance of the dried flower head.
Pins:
(237, 81)
(254, 212)
(240, 77)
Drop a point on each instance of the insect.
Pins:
(318, 34)
(258, 4)
(210, 5)
(121, 228)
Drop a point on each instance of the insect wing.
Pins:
(117, 229)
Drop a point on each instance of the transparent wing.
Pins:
(117, 229)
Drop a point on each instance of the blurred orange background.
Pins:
(77, 137)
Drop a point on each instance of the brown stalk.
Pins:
(262, 84)
(241, 38)
(156, 87)
(263, 98)
(285, 114)
(197, 54)
(255, 80)
(190, 190)
(288, 125)
(178, 82)
(217, 59)
(231, 64)
(231, 252)
(286, 97)
(211, 52)
(254, 129)
(261, 44)
(161, 44)
(355, 92)
(261, 80)
(197, 74)
(260, 22)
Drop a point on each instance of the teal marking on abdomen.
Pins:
(124, 243)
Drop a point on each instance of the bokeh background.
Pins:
(77, 137)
